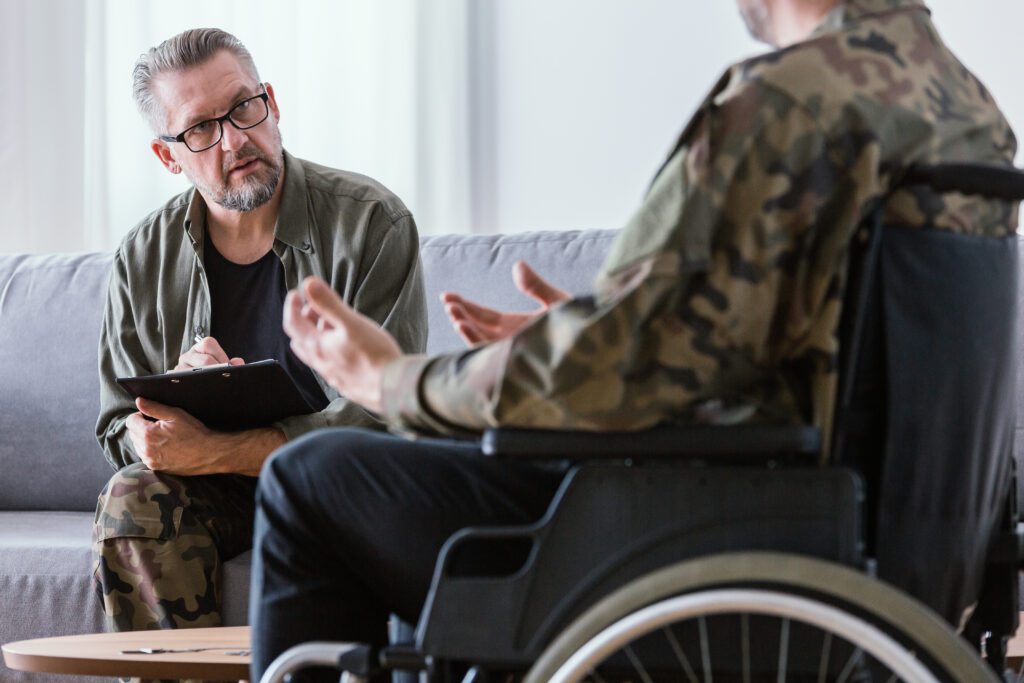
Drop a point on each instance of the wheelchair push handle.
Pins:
(985, 180)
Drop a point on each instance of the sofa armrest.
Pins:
(734, 443)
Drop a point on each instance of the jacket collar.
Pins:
(850, 12)
(293, 219)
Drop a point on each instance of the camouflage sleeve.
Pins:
(389, 290)
(121, 355)
(699, 295)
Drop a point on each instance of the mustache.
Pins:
(250, 151)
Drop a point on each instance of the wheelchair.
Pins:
(709, 553)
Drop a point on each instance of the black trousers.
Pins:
(349, 524)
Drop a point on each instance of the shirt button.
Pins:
(305, 245)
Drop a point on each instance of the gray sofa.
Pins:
(51, 467)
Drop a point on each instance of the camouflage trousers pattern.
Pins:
(159, 544)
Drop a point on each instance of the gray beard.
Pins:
(256, 191)
(251, 195)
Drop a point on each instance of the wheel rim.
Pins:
(866, 637)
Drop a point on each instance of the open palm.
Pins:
(478, 324)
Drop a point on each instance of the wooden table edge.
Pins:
(31, 655)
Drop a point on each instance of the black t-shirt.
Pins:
(247, 308)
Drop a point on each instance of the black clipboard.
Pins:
(225, 397)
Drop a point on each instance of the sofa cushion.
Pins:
(51, 307)
(45, 583)
(480, 268)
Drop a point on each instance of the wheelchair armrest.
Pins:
(694, 441)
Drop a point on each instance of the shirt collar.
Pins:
(849, 12)
(294, 224)
(195, 220)
(293, 220)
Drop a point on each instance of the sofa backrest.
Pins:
(50, 312)
(480, 267)
(51, 307)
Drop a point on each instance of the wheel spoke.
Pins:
(826, 651)
(637, 665)
(745, 645)
(850, 664)
(705, 649)
(783, 650)
(680, 655)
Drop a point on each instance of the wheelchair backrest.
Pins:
(927, 400)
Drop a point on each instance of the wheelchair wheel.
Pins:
(749, 617)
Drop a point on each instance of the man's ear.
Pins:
(165, 155)
(272, 102)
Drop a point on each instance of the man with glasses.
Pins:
(201, 281)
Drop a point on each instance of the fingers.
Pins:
(211, 347)
(536, 287)
(156, 410)
(469, 333)
(300, 326)
(482, 314)
(236, 361)
(470, 329)
(136, 424)
(205, 352)
(325, 302)
(296, 324)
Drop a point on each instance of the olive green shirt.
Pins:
(720, 300)
(340, 226)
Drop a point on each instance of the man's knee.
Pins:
(154, 565)
(139, 503)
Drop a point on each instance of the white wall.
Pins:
(484, 115)
(589, 96)
(33, 163)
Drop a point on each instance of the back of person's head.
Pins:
(184, 51)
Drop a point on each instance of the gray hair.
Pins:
(179, 53)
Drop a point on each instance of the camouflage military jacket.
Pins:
(340, 226)
(720, 300)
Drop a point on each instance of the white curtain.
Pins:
(41, 132)
(374, 86)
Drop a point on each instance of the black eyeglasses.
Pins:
(248, 113)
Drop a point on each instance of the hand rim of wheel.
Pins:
(826, 580)
(760, 602)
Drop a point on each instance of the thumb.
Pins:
(536, 287)
(236, 361)
(156, 410)
(326, 302)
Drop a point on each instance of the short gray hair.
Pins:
(179, 53)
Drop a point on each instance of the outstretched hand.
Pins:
(342, 345)
(478, 324)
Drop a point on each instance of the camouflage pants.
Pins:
(159, 542)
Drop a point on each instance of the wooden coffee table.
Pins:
(220, 654)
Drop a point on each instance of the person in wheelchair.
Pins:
(720, 302)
